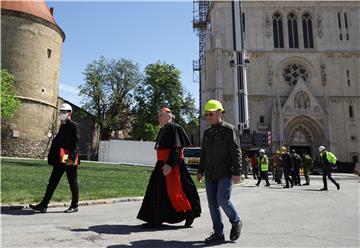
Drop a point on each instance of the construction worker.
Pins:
(287, 164)
(264, 168)
(297, 164)
(220, 161)
(326, 159)
(308, 163)
(277, 169)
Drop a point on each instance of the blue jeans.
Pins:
(218, 194)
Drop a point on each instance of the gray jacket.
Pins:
(220, 152)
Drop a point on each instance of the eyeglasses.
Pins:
(209, 114)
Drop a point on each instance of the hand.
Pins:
(69, 161)
(236, 179)
(199, 177)
(166, 169)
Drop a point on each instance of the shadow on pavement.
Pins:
(162, 243)
(18, 212)
(124, 229)
(318, 190)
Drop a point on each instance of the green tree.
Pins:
(8, 100)
(161, 87)
(108, 93)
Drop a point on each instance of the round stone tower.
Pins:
(31, 43)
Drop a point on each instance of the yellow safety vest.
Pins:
(264, 162)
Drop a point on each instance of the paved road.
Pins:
(273, 217)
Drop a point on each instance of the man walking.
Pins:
(297, 164)
(63, 156)
(327, 158)
(220, 161)
(286, 163)
(264, 168)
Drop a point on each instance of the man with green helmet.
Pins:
(220, 161)
(327, 159)
(264, 167)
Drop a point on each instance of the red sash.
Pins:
(64, 155)
(174, 188)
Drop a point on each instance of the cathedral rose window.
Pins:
(293, 72)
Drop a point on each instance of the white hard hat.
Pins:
(262, 151)
(65, 107)
(321, 148)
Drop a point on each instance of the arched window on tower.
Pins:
(278, 31)
(293, 31)
(307, 31)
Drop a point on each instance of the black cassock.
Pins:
(173, 198)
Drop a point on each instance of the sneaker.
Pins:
(267, 185)
(306, 184)
(215, 238)
(38, 208)
(71, 210)
(235, 231)
(285, 187)
(257, 184)
(323, 189)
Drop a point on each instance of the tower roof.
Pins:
(36, 8)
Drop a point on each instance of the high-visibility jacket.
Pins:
(263, 162)
(330, 157)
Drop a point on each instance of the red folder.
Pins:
(64, 155)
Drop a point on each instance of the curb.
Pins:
(89, 202)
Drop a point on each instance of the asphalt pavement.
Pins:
(272, 217)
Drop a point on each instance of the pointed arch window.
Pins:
(293, 31)
(307, 31)
(278, 31)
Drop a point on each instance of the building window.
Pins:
(339, 25)
(348, 77)
(262, 120)
(278, 31)
(293, 72)
(307, 31)
(346, 26)
(293, 31)
(49, 53)
(351, 113)
(355, 158)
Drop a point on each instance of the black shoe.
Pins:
(323, 189)
(286, 187)
(305, 184)
(338, 186)
(267, 185)
(257, 184)
(38, 208)
(215, 238)
(189, 221)
(235, 231)
(71, 210)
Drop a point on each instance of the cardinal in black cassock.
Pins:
(171, 195)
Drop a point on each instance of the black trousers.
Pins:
(255, 172)
(296, 175)
(287, 177)
(327, 173)
(263, 175)
(56, 174)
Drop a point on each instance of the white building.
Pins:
(303, 79)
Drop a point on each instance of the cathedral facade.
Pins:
(303, 78)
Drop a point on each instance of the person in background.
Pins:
(245, 165)
(327, 159)
(286, 164)
(277, 169)
(255, 166)
(297, 164)
(263, 161)
(220, 161)
(64, 157)
(307, 165)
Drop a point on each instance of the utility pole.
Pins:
(240, 61)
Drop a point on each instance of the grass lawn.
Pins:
(25, 181)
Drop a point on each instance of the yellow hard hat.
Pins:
(213, 105)
(277, 152)
(283, 149)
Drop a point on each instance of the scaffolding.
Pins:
(200, 25)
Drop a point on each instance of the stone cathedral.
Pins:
(303, 78)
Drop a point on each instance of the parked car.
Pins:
(192, 156)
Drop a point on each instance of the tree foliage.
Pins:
(8, 100)
(108, 93)
(161, 87)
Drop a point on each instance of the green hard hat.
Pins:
(213, 105)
